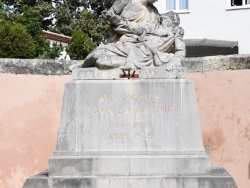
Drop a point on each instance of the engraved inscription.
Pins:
(97, 110)
(116, 125)
(144, 136)
(154, 109)
(118, 135)
(128, 105)
(142, 97)
(130, 97)
(136, 135)
(128, 110)
(141, 125)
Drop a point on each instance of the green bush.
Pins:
(80, 45)
(15, 42)
(53, 52)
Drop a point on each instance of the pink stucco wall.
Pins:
(30, 109)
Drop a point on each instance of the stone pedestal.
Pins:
(126, 133)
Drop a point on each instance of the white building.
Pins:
(227, 20)
(58, 39)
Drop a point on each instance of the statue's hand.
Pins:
(116, 20)
(75, 66)
(169, 66)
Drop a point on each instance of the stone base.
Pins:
(114, 74)
(218, 178)
(138, 165)
(130, 133)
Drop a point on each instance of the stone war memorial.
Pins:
(129, 116)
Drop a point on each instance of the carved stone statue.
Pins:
(140, 38)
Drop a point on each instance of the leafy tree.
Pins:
(66, 14)
(86, 15)
(43, 8)
(80, 45)
(95, 27)
(5, 13)
(60, 16)
(31, 20)
(53, 53)
(15, 42)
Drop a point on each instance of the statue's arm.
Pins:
(140, 28)
(180, 48)
(127, 27)
(180, 52)
(118, 6)
(115, 11)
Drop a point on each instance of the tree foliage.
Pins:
(60, 16)
(15, 42)
(53, 53)
(95, 27)
(80, 45)
(32, 21)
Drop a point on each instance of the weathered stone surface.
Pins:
(193, 64)
(35, 66)
(133, 165)
(146, 73)
(61, 67)
(105, 116)
(217, 178)
(217, 63)
(138, 41)
(240, 62)
(38, 181)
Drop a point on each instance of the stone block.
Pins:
(216, 63)
(239, 62)
(115, 74)
(217, 178)
(193, 64)
(139, 165)
(157, 116)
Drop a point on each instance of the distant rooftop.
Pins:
(56, 37)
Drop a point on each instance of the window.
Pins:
(178, 5)
(240, 2)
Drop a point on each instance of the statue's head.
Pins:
(148, 1)
(152, 1)
(170, 19)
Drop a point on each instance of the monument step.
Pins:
(217, 178)
(141, 165)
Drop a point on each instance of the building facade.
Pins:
(58, 39)
(222, 20)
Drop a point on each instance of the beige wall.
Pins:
(30, 112)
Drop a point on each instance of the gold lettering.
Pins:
(116, 125)
(159, 109)
(168, 109)
(157, 97)
(123, 110)
(97, 110)
(107, 97)
(142, 97)
(118, 136)
(87, 109)
(140, 124)
(144, 136)
(154, 109)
